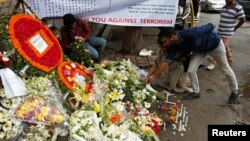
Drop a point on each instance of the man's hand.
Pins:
(79, 38)
(146, 80)
(150, 79)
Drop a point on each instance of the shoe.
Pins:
(192, 95)
(234, 98)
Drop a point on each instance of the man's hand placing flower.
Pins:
(79, 38)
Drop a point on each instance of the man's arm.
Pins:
(163, 66)
(150, 72)
(240, 23)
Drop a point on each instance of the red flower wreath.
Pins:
(68, 73)
(35, 42)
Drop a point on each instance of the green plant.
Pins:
(80, 55)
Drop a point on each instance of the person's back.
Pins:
(199, 39)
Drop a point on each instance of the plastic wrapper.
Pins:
(39, 110)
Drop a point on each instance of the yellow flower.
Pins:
(147, 130)
(85, 98)
(68, 67)
(107, 100)
(20, 113)
(57, 118)
(45, 109)
(41, 116)
(97, 107)
(116, 95)
(69, 79)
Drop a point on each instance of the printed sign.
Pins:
(114, 12)
(38, 43)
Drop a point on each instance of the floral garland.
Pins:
(73, 75)
(22, 29)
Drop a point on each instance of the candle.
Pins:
(184, 114)
(183, 128)
(177, 115)
(180, 126)
(186, 121)
(164, 126)
(170, 102)
(181, 109)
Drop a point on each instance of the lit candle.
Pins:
(186, 121)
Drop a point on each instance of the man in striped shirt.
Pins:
(232, 17)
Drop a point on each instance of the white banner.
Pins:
(114, 12)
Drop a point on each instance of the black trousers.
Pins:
(196, 6)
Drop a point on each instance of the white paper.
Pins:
(145, 52)
(13, 85)
(79, 79)
(113, 12)
(38, 43)
(142, 73)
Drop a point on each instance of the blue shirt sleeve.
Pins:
(197, 31)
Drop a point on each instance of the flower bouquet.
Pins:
(84, 126)
(36, 109)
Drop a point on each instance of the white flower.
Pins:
(2, 135)
(6, 127)
(154, 97)
(147, 105)
(119, 106)
(6, 103)
(11, 134)
(73, 65)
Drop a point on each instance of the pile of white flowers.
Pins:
(37, 133)
(9, 128)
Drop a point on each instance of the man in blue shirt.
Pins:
(201, 41)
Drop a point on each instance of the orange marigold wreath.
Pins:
(68, 73)
(35, 42)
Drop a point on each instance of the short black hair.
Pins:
(69, 19)
(166, 32)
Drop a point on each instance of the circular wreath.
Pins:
(27, 34)
(68, 72)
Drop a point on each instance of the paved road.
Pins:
(211, 108)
